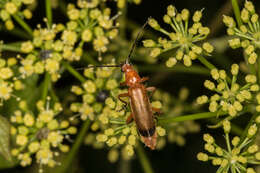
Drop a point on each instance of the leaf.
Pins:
(5, 138)
(7, 164)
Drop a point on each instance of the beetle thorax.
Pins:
(131, 76)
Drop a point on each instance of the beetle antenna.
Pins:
(94, 66)
(136, 40)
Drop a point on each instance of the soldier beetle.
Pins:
(141, 109)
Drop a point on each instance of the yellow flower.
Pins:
(28, 1)
(52, 66)
(10, 7)
(55, 138)
(43, 156)
(21, 140)
(6, 73)
(27, 47)
(5, 90)
(28, 120)
(33, 147)
(100, 44)
(86, 35)
(25, 159)
(46, 116)
(69, 37)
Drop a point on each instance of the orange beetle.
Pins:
(141, 109)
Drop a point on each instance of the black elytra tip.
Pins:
(147, 133)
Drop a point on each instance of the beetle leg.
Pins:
(157, 110)
(151, 89)
(129, 118)
(125, 103)
(144, 79)
(123, 84)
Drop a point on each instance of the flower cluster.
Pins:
(229, 97)
(41, 136)
(122, 3)
(92, 24)
(10, 8)
(239, 155)
(246, 35)
(173, 107)
(8, 82)
(182, 39)
(95, 91)
(46, 51)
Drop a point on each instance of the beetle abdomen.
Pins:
(143, 115)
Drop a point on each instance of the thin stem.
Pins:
(73, 72)
(89, 59)
(244, 134)
(258, 69)
(66, 163)
(205, 62)
(22, 23)
(10, 47)
(17, 32)
(236, 129)
(46, 85)
(48, 12)
(227, 142)
(144, 159)
(204, 115)
(210, 66)
(53, 95)
(236, 12)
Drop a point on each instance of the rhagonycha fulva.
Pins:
(141, 109)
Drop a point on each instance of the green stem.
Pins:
(73, 72)
(236, 12)
(236, 129)
(66, 163)
(46, 85)
(22, 23)
(244, 134)
(48, 12)
(204, 115)
(122, 21)
(53, 95)
(144, 159)
(17, 32)
(209, 65)
(205, 62)
(258, 67)
(89, 59)
(10, 47)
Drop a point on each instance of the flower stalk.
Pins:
(48, 12)
(73, 72)
(23, 24)
(144, 159)
(236, 11)
(75, 148)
